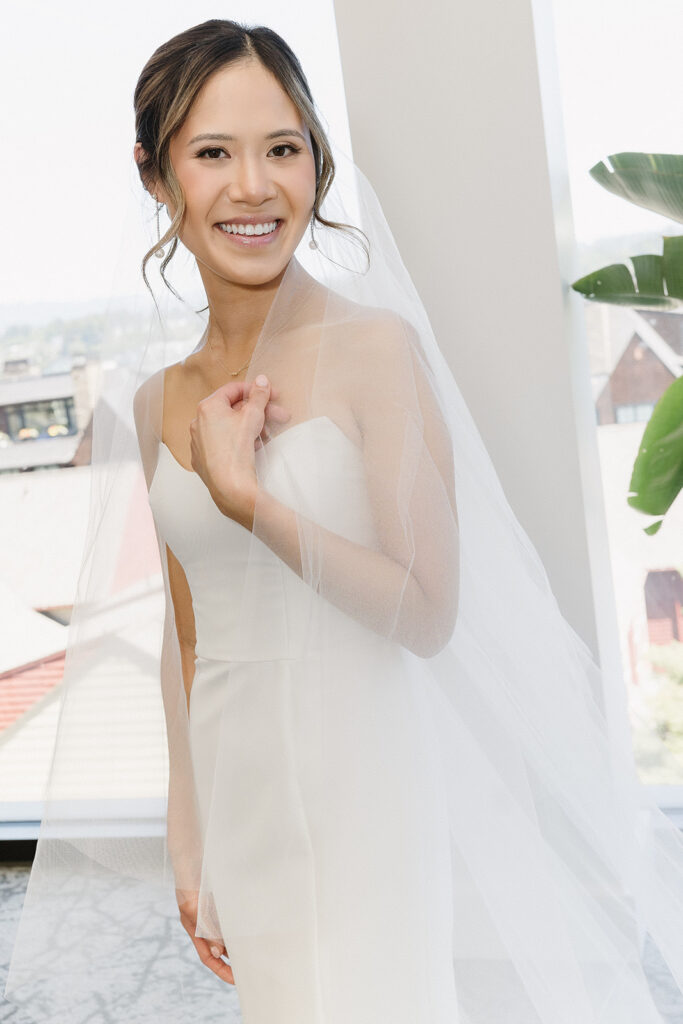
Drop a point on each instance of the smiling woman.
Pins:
(376, 808)
(247, 94)
(219, 185)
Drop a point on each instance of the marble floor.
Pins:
(14, 876)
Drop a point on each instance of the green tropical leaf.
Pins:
(655, 182)
(651, 282)
(651, 180)
(657, 477)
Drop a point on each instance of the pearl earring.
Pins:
(159, 252)
(312, 244)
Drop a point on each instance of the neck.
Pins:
(237, 313)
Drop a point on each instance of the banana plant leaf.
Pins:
(655, 182)
(657, 476)
(651, 180)
(654, 282)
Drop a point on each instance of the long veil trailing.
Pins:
(454, 733)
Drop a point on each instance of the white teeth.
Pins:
(249, 229)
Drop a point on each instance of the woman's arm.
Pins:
(184, 619)
(408, 588)
(176, 671)
(147, 404)
(369, 586)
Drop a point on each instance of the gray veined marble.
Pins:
(14, 877)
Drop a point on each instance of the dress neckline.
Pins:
(278, 437)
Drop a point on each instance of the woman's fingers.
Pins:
(188, 918)
(277, 412)
(237, 392)
(273, 411)
(259, 396)
(214, 963)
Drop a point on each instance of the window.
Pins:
(634, 354)
(634, 413)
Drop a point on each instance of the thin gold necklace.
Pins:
(233, 373)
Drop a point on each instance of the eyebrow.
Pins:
(231, 138)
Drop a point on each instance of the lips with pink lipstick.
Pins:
(250, 232)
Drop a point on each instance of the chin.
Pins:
(255, 271)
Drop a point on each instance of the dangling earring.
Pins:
(159, 252)
(312, 244)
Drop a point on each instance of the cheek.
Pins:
(306, 188)
(195, 189)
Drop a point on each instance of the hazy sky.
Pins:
(68, 69)
(619, 68)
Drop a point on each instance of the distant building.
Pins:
(16, 366)
(42, 416)
(664, 605)
(647, 366)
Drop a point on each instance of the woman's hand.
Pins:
(223, 438)
(209, 952)
(274, 411)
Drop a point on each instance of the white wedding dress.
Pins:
(326, 901)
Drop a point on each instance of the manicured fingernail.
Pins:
(261, 380)
(215, 951)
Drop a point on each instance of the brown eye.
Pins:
(211, 149)
(286, 145)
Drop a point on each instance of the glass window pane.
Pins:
(634, 354)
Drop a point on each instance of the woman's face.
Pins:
(264, 172)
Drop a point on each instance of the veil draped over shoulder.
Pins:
(453, 732)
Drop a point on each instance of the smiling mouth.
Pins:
(246, 236)
(251, 230)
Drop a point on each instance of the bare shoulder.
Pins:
(166, 378)
(148, 387)
(379, 345)
(378, 334)
(151, 395)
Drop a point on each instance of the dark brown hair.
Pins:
(169, 84)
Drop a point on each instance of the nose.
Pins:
(251, 181)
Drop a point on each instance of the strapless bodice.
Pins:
(268, 611)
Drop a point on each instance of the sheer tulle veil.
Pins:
(547, 863)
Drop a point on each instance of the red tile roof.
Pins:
(22, 689)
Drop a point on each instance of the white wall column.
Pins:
(446, 108)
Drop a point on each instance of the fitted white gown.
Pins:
(325, 867)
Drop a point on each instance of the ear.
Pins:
(150, 186)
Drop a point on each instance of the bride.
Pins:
(344, 906)
(394, 796)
